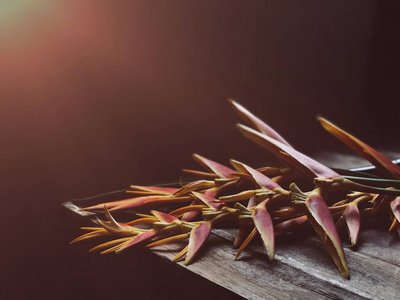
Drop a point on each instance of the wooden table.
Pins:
(302, 268)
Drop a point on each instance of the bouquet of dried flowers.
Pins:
(264, 201)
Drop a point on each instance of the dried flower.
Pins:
(264, 201)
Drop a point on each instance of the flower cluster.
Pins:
(264, 201)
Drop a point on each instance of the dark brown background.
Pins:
(99, 95)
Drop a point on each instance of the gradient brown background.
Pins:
(97, 95)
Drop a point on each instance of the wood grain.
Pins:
(302, 268)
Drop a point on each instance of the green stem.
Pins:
(393, 182)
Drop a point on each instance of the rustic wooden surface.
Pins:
(302, 268)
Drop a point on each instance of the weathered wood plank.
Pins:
(380, 244)
(302, 269)
(371, 276)
(255, 277)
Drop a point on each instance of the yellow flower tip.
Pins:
(394, 224)
(79, 238)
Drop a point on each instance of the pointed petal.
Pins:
(114, 226)
(395, 224)
(272, 171)
(222, 181)
(264, 225)
(215, 190)
(246, 242)
(211, 202)
(352, 218)
(140, 238)
(114, 248)
(163, 217)
(142, 221)
(168, 200)
(110, 243)
(212, 192)
(121, 229)
(213, 166)
(262, 180)
(322, 221)
(244, 195)
(245, 228)
(194, 186)
(126, 203)
(290, 225)
(155, 189)
(304, 163)
(110, 217)
(190, 215)
(369, 153)
(144, 215)
(252, 202)
(196, 208)
(108, 226)
(285, 212)
(175, 238)
(149, 200)
(181, 254)
(197, 239)
(200, 173)
(90, 235)
(91, 228)
(377, 200)
(395, 207)
(256, 123)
